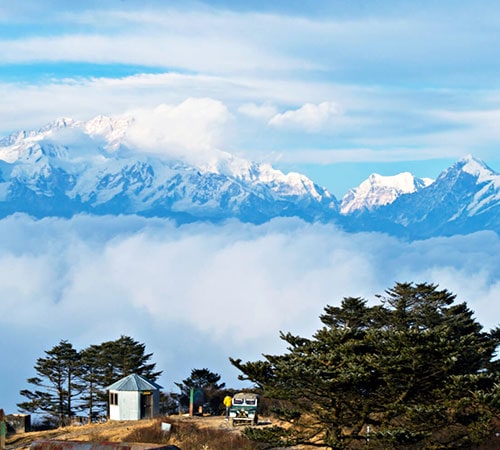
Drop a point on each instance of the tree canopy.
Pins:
(415, 370)
(68, 380)
(206, 381)
(57, 383)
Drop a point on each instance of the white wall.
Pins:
(128, 407)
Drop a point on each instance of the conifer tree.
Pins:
(94, 399)
(123, 357)
(66, 375)
(57, 384)
(414, 370)
(108, 362)
(208, 382)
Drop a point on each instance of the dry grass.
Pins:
(193, 435)
(188, 433)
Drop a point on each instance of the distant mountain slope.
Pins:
(69, 167)
(464, 198)
(380, 190)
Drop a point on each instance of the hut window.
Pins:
(113, 398)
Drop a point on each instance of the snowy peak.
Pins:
(61, 122)
(71, 166)
(113, 131)
(103, 132)
(380, 190)
(473, 176)
(472, 166)
(105, 166)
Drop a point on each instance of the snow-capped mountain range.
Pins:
(70, 167)
(380, 190)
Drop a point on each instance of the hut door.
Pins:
(146, 405)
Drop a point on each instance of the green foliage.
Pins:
(93, 398)
(123, 357)
(168, 403)
(274, 436)
(66, 375)
(57, 381)
(416, 368)
(209, 383)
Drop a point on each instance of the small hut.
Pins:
(133, 398)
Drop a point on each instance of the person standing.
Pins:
(227, 403)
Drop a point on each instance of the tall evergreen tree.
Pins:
(110, 361)
(94, 399)
(123, 357)
(58, 384)
(415, 370)
(66, 375)
(208, 382)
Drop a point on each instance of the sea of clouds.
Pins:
(197, 294)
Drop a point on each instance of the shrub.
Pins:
(189, 436)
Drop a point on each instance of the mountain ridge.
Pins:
(378, 190)
(464, 198)
(70, 167)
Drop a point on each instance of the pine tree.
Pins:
(108, 362)
(57, 379)
(435, 364)
(123, 357)
(208, 382)
(94, 398)
(414, 370)
(66, 375)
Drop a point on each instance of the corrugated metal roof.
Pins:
(134, 382)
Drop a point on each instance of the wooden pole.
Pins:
(191, 402)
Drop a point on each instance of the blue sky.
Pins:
(334, 89)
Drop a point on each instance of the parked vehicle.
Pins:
(244, 408)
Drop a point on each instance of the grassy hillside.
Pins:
(188, 433)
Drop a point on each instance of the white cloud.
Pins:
(264, 111)
(160, 38)
(199, 293)
(192, 129)
(414, 86)
(369, 61)
(309, 117)
(32, 105)
(364, 155)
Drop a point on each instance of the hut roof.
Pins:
(134, 382)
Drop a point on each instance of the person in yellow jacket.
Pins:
(227, 403)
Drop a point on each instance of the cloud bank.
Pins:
(309, 117)
(410, 81)
(199, 293)
(192, 129)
